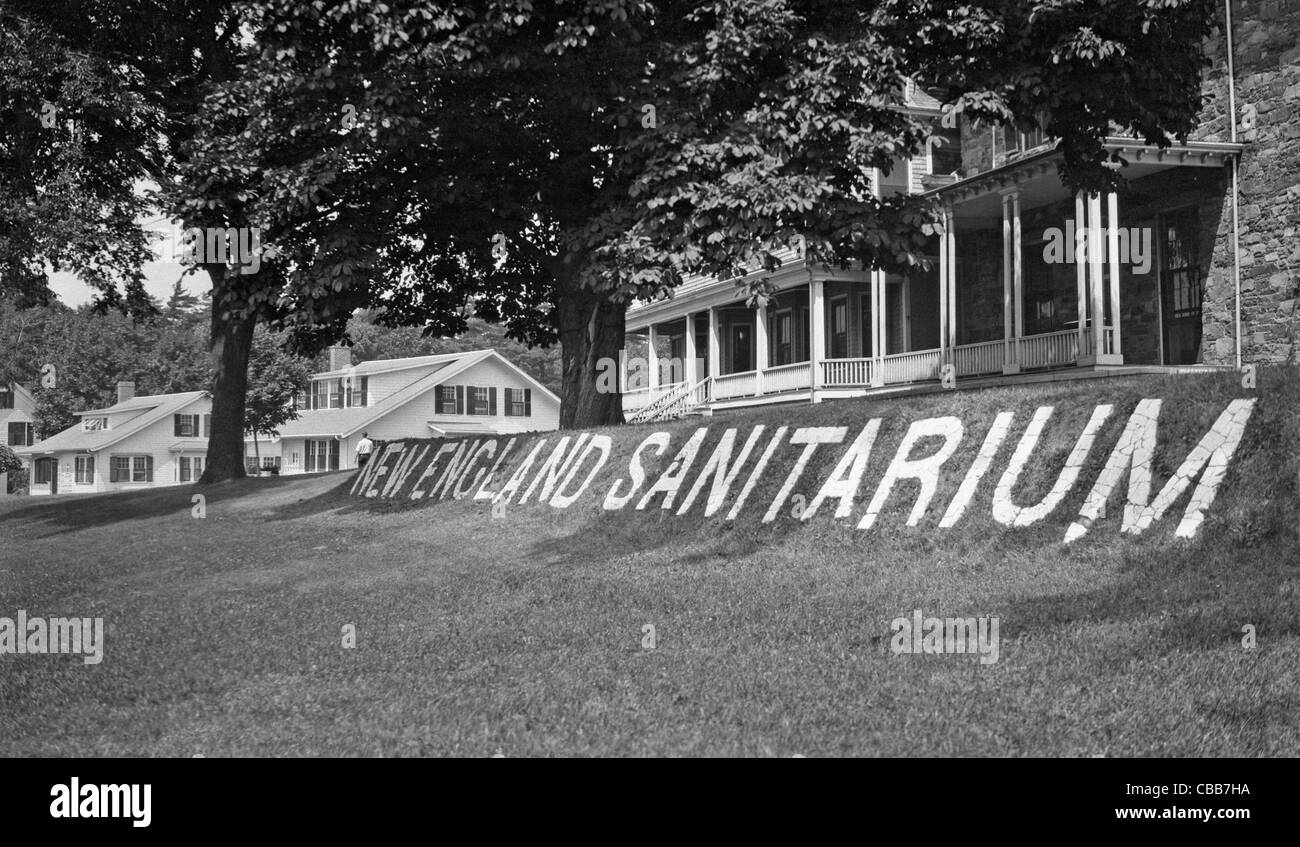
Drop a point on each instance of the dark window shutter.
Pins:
(365, 391)
(460, 399)
(528, 402)
(207, 426)
(148, 468)
(492, 401)
(334, 455)
(176, 425)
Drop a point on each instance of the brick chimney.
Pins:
(340, 357)
(125, 391)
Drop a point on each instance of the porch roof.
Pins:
(1034, 176)
(698, 293)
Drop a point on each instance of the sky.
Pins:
(160, 276)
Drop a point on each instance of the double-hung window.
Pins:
(130, 469)
(519, 402)
(480, 400)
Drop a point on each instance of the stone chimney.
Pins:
(125, 391)
(340, 357)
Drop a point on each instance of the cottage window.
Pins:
(481, 401)
(519, 402)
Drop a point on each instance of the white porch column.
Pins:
(1018, 273)
(816, 332)
(1112, 216)
(1008, 365)
(1081, 270)
(760, 346)
(652, 355)
(691, 375)
(945, 272)
(952, 280)
(882, 318)
(715, 347)
(876, 330)
(1095, 257)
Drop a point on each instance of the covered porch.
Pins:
(1024, 278)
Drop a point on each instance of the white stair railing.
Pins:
(675, 403)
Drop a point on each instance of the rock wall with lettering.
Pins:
(1127, 466)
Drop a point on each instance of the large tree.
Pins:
(550, 162)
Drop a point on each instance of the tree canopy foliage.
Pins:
(550, 162)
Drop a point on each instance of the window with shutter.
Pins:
(447, 400)
(20, 435)
(518, 402)
(482, 400)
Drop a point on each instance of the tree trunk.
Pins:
(591, 330)
(257, 453)
(232, 340)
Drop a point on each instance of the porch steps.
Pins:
(681, 401)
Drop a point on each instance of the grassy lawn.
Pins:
(522, 634)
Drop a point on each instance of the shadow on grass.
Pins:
(72, 512)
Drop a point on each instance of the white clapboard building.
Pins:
(478, 392)
(138, 442)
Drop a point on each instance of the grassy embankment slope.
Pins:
(523, 633)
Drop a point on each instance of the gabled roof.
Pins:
(343, 423)
(17, 415)
(377, 366)
(152, 409)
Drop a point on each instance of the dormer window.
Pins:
(945, 151)
(357, 389)
(897, 181)
(94, 424)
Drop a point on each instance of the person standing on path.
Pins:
(364, 448)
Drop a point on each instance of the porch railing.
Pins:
(837, 372)
(911, 367)
(787, 378)
(743, 384)
(1049, 350)
(985, 357)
